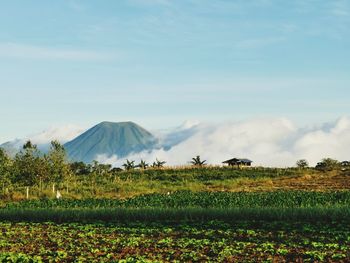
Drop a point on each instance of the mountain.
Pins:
(12, 147)
(109, 138)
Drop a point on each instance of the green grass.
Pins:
(136, 182)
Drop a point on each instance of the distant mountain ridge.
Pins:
(110, 138)
(12, 147)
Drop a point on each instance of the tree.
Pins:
(29, 146)
(29, 167)
(302, 164)
(196, 161)
(100, 168)
(158, 164)
(80, 168)
(4, 162)
(129, 165)
(5, 169)
(59, 168)
(143, 165)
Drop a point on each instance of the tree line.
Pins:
(30, 167)
(326, 164)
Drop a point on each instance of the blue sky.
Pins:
(161, 62)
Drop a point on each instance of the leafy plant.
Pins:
(143, 165)
(196, 161)
(129, 165)
(158, 164)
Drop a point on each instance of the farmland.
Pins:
(248, 241)
(185, 226)
(184, 214)
(126, 184)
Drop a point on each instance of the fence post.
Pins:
(53, 188)
(27, 192)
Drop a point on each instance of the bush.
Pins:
(302, 164)
(327, 164)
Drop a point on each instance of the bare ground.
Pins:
(315, 182)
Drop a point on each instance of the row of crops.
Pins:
(188, 199)
(212, 241)
(187, 206)
(184, 226)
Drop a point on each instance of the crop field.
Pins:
(267, 222)
(126, 184)
(187, 199)
(186, 205)
(243, 241)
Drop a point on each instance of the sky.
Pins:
(161, 62)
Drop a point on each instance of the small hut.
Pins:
(238, 162)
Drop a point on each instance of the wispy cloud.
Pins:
(23, 51)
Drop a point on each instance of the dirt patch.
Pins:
(316, 182)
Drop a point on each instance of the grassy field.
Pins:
(127, 184)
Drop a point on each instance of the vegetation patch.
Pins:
(243, 241)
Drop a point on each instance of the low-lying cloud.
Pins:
(268, 142)
(43, 139)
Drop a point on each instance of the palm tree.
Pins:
(196, 161)
(158, 164)
(143, 165)
(129, 165)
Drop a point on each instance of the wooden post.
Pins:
(53, 188)
(27, 192)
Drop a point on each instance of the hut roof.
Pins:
(241, 160)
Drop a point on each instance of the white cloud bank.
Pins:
(269, 142)
(62, 134)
